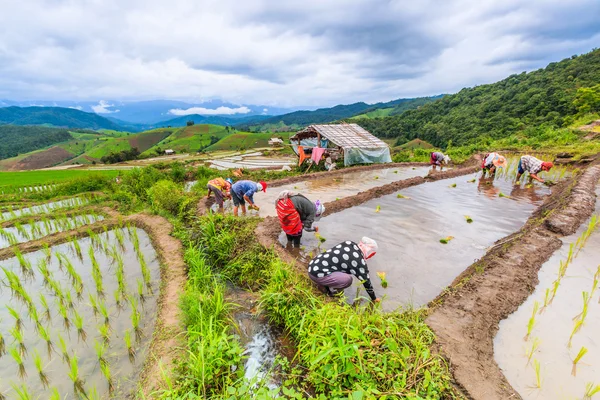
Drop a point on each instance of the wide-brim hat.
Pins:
(500, 162)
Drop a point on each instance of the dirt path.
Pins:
(467, 321)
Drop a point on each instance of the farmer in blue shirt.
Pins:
(242, 192)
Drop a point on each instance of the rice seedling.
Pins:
(130, 349)
(64, 313)
(384, 282)
(55, 395)
(2, 345)
(378, 208)
(468, 219)
(69, 300)
(18, 337)
(578, 358)
(583, 313)
(34, 316)
(453, 185)
(104, 312)
(42, 267)
(93, 304)
(576, 329)
(78, 321)
(77, 248)
(590, 391)
(37, 361)
(472, 180)
(104, 331)
(63, 349)
(117, 296)
(18, 320)
(16, 355)
(320, 238)
(400, 196)
(531, 322)
(47, 252)
(100, 349)
(23, 262)
(74, 376)
(105, 368)
(135, 318)
(503, 195)
(531, 351)
(538, 375)
(120, 238)
(446, 239)
(21, 391)
(73, 274)
(46, 337)
(140, 286)
(546, 301)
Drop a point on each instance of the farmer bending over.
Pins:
(221, 188)
(242, 192)
(296, 212)
(533, 166)
(332, 271)
(438, 159)
(491, 161)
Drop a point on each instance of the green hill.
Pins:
(55, 116)
(23, 139)
(245, 140)
(191, 139)
(483, 113)
(142, 141)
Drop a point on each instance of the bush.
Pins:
(165, 195)
(178, 172)
(125, 199)
(138, 180)
(89, 183)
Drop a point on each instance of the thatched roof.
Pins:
(343, 135)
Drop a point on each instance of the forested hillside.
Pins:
(19, 139)
(55, 116)
(551, 96)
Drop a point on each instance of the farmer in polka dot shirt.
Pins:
(333, 270)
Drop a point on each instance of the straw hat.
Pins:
(500, 161)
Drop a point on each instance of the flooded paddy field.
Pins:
(77, 318)
(408, 226)
(20, 233)
(328, 188)
(43, 208)
(254, 160)
(537, 347)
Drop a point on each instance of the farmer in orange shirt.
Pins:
(221, 188)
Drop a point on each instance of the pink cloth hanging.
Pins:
(317, 153)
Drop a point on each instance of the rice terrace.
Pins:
(172, 244)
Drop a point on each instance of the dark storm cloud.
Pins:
(309, 52)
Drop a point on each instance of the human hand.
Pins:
(377, 300)
(316, 229)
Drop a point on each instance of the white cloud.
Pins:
(270, 52)
(102, 108)
(210, 111)
(76, 108)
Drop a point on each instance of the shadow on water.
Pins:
(408, 231)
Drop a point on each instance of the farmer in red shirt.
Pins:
(295, 213)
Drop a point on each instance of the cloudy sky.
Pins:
(279, 52)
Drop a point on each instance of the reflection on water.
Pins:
(554, 326)
(328, 188)
(408, 231)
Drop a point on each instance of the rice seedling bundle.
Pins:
(378, 208)
(63, 349)
(105, 368)
(579, 356)
(74, 376)
(16, 355)
(78, 320)
(446, 239)
(531, 322)
(531, 351)
(399, 196)
(104, 331)
(37, 360)
(17, 335)
(382, 278)
(44, 335)
(538, 375)
(16, 316)
(590, 391)
(130, 349)
(468, 219)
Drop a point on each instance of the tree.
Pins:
(190, 123)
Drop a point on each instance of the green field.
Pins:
(380, 112)
(189, 139)
(28, 178)
(247, 140)
(415, 144)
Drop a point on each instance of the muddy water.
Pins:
(328, 188)
(40, 229)
(47, 207)
(408, 231)
(554, 326)
(124, 372)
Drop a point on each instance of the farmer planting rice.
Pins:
(533, 166)
(295, 213)
(221, 188)
(439, 159)
(491, 161)
(242, 192)
(332, 271)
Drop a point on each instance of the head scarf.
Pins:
(285, 194)
(320, 209)
(368, 247)
(547, 165)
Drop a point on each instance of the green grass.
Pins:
(247, 140)
(380, 112)
(190, 139)
(143, 141)
(27, 178)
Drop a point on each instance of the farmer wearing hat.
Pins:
(533, 166)
(242, 192)
(295, 213)
(439, 159)
(491, 161)
(221, 188)
(332, 271)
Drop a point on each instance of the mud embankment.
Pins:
(494, 287)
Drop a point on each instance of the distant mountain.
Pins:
(339, 112)
(153, 112)
(55, 116)
(213, 119)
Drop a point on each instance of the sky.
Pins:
(280, 53)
